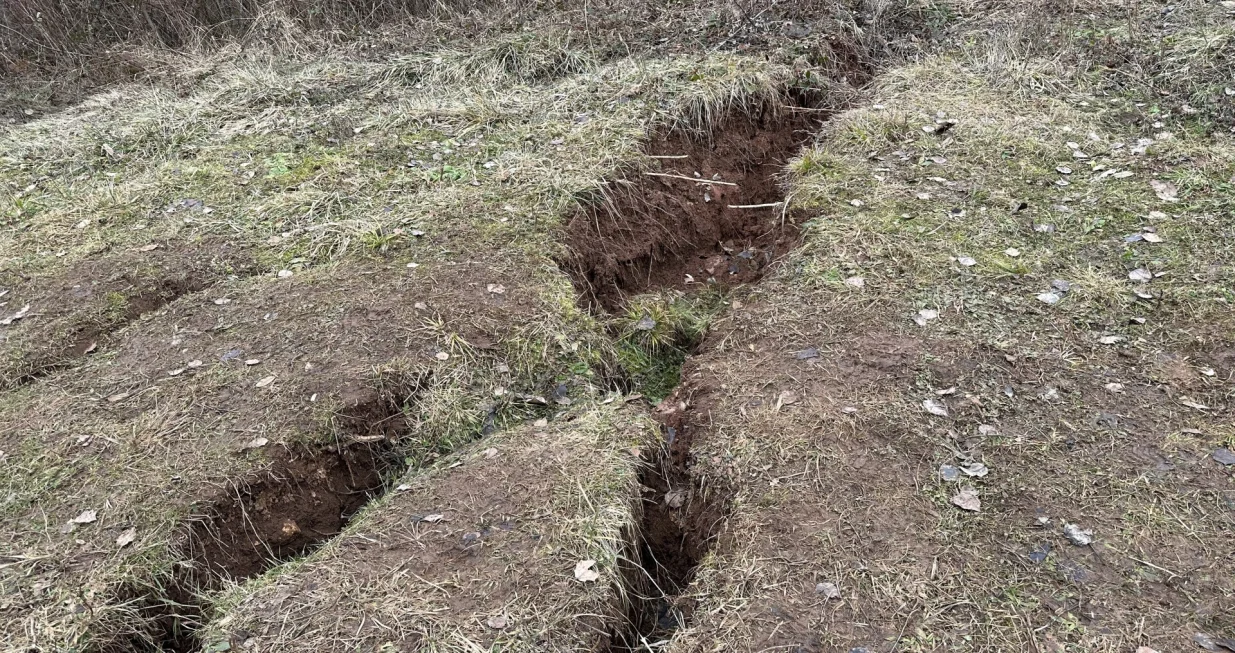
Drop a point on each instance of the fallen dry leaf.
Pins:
(1165, 191)
(967, 499)
(86, 517)
(585, 571)
(935, 408)
(264, 381)
(126, 538)
(1076, 535)
(827, 590)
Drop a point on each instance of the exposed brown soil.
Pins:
(680, 226)
(301, 501)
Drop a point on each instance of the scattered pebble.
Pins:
(1049, 298)
(283, 274)
(966, 261)
(1224, 456)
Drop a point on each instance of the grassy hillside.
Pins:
(882, 327)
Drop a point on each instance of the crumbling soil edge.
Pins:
(727, 235)
(714, 213)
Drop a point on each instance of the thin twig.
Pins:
(1150, 564)
(694, 179)
(668, 156)
(755, 206)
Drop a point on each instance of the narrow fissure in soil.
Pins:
(680, 517)
(713, 215)
(305, 498)
(93, 333)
